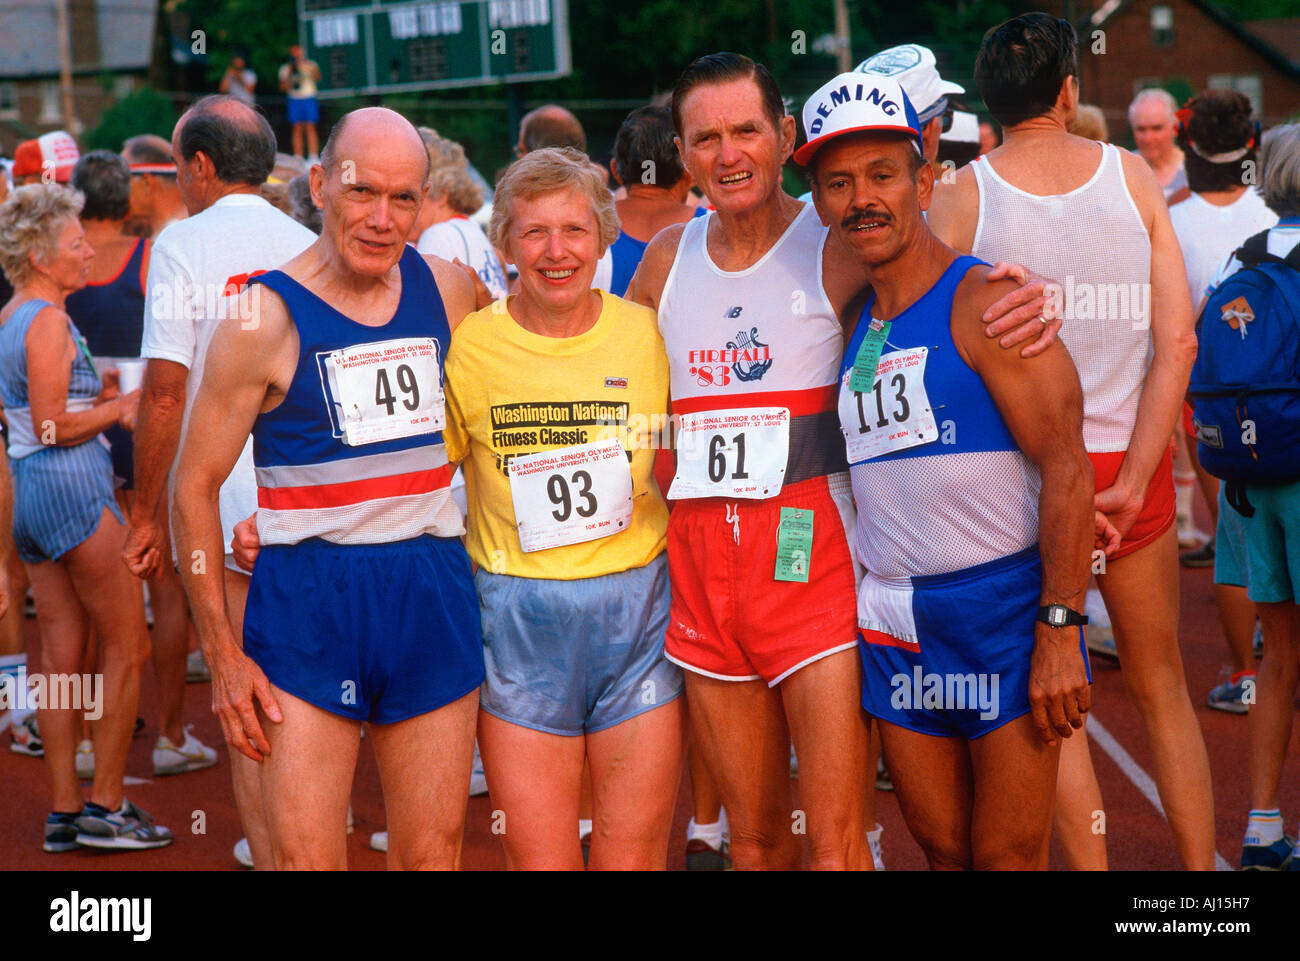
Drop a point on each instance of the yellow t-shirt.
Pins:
(512, 392)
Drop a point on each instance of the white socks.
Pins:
(1264, 828)
(13, 678)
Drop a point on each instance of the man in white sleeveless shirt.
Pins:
(1099, 226)
(763, 610)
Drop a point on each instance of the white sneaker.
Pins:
(86, 759)
(193, 755)
(379, 841)
(243, 853)
(873, 842)
(196, 668)
(477, 779)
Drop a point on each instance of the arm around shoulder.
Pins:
(647, 284)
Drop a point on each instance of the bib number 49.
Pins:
(406, 382)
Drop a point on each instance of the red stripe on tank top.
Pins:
(354, 492)
(802, 403)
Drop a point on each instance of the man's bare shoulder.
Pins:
(455, 288)
(652, 273)
(953, 210)
(1143, 186)
(973, 296)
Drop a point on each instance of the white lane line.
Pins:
(1141, 780)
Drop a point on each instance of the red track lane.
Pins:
(1137, 835)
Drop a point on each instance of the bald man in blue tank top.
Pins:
(362, 607)
(974, 503)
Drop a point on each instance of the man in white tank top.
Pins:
(763, 614)
(1093, 218)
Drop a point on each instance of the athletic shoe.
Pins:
(25, 738)
(701, 857)
(1230, 696)
(883, 781)
(1272, 857)
(873, 841)
(196, 668)
(60, 833)
(86, 759)
(1202, 557)
(379, 841)
(1257, 641)
(1101, 641)
(126, 829)
(193, 755)
(1190, 537)
(243, 853)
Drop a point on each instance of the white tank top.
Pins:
(766, 336)
(1093, 243)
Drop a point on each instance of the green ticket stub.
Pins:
(863, 377)
(794, 541)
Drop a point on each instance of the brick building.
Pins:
(114, 47)
(1184, 46)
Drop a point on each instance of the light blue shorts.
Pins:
(59, 497)
(1272, 545)
(1231, 565)
(576, 657)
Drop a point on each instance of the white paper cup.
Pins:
(130, 375)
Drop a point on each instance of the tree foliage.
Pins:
(141, 111)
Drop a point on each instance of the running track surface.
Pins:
(1138, 838)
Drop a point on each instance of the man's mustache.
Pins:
(857, 217)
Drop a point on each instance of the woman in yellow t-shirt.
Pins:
(557, 399)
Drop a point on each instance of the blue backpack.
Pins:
(1245, 385)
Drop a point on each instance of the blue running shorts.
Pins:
(372, 632)
(575, 657)
(961, 666)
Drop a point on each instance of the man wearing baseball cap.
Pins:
(47, 159)
(972, 658)
(913, 67)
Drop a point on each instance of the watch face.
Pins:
(1057, 615)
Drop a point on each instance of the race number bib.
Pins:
(894, 414)
(732, 453)
(571, 494)
(387, 390)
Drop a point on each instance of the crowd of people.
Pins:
(654, 468)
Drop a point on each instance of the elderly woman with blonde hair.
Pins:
(556, 399)
(67, 525)
(443, 227)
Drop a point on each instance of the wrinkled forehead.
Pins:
(725, 103)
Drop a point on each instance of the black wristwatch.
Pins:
(1058, 615)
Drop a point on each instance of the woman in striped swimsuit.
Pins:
(67, 526)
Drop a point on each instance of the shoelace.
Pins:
(733, 518)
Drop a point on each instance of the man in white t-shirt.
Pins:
(224, 150)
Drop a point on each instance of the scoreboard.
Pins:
(385, 47)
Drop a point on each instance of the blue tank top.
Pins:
(83, 385)
(966, 496)
(626, 253)
(111, 315)
(311, 482)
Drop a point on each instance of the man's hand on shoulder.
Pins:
(459, 298)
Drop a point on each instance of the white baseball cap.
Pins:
(851, 103)
(965, 128)
(913, 66)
